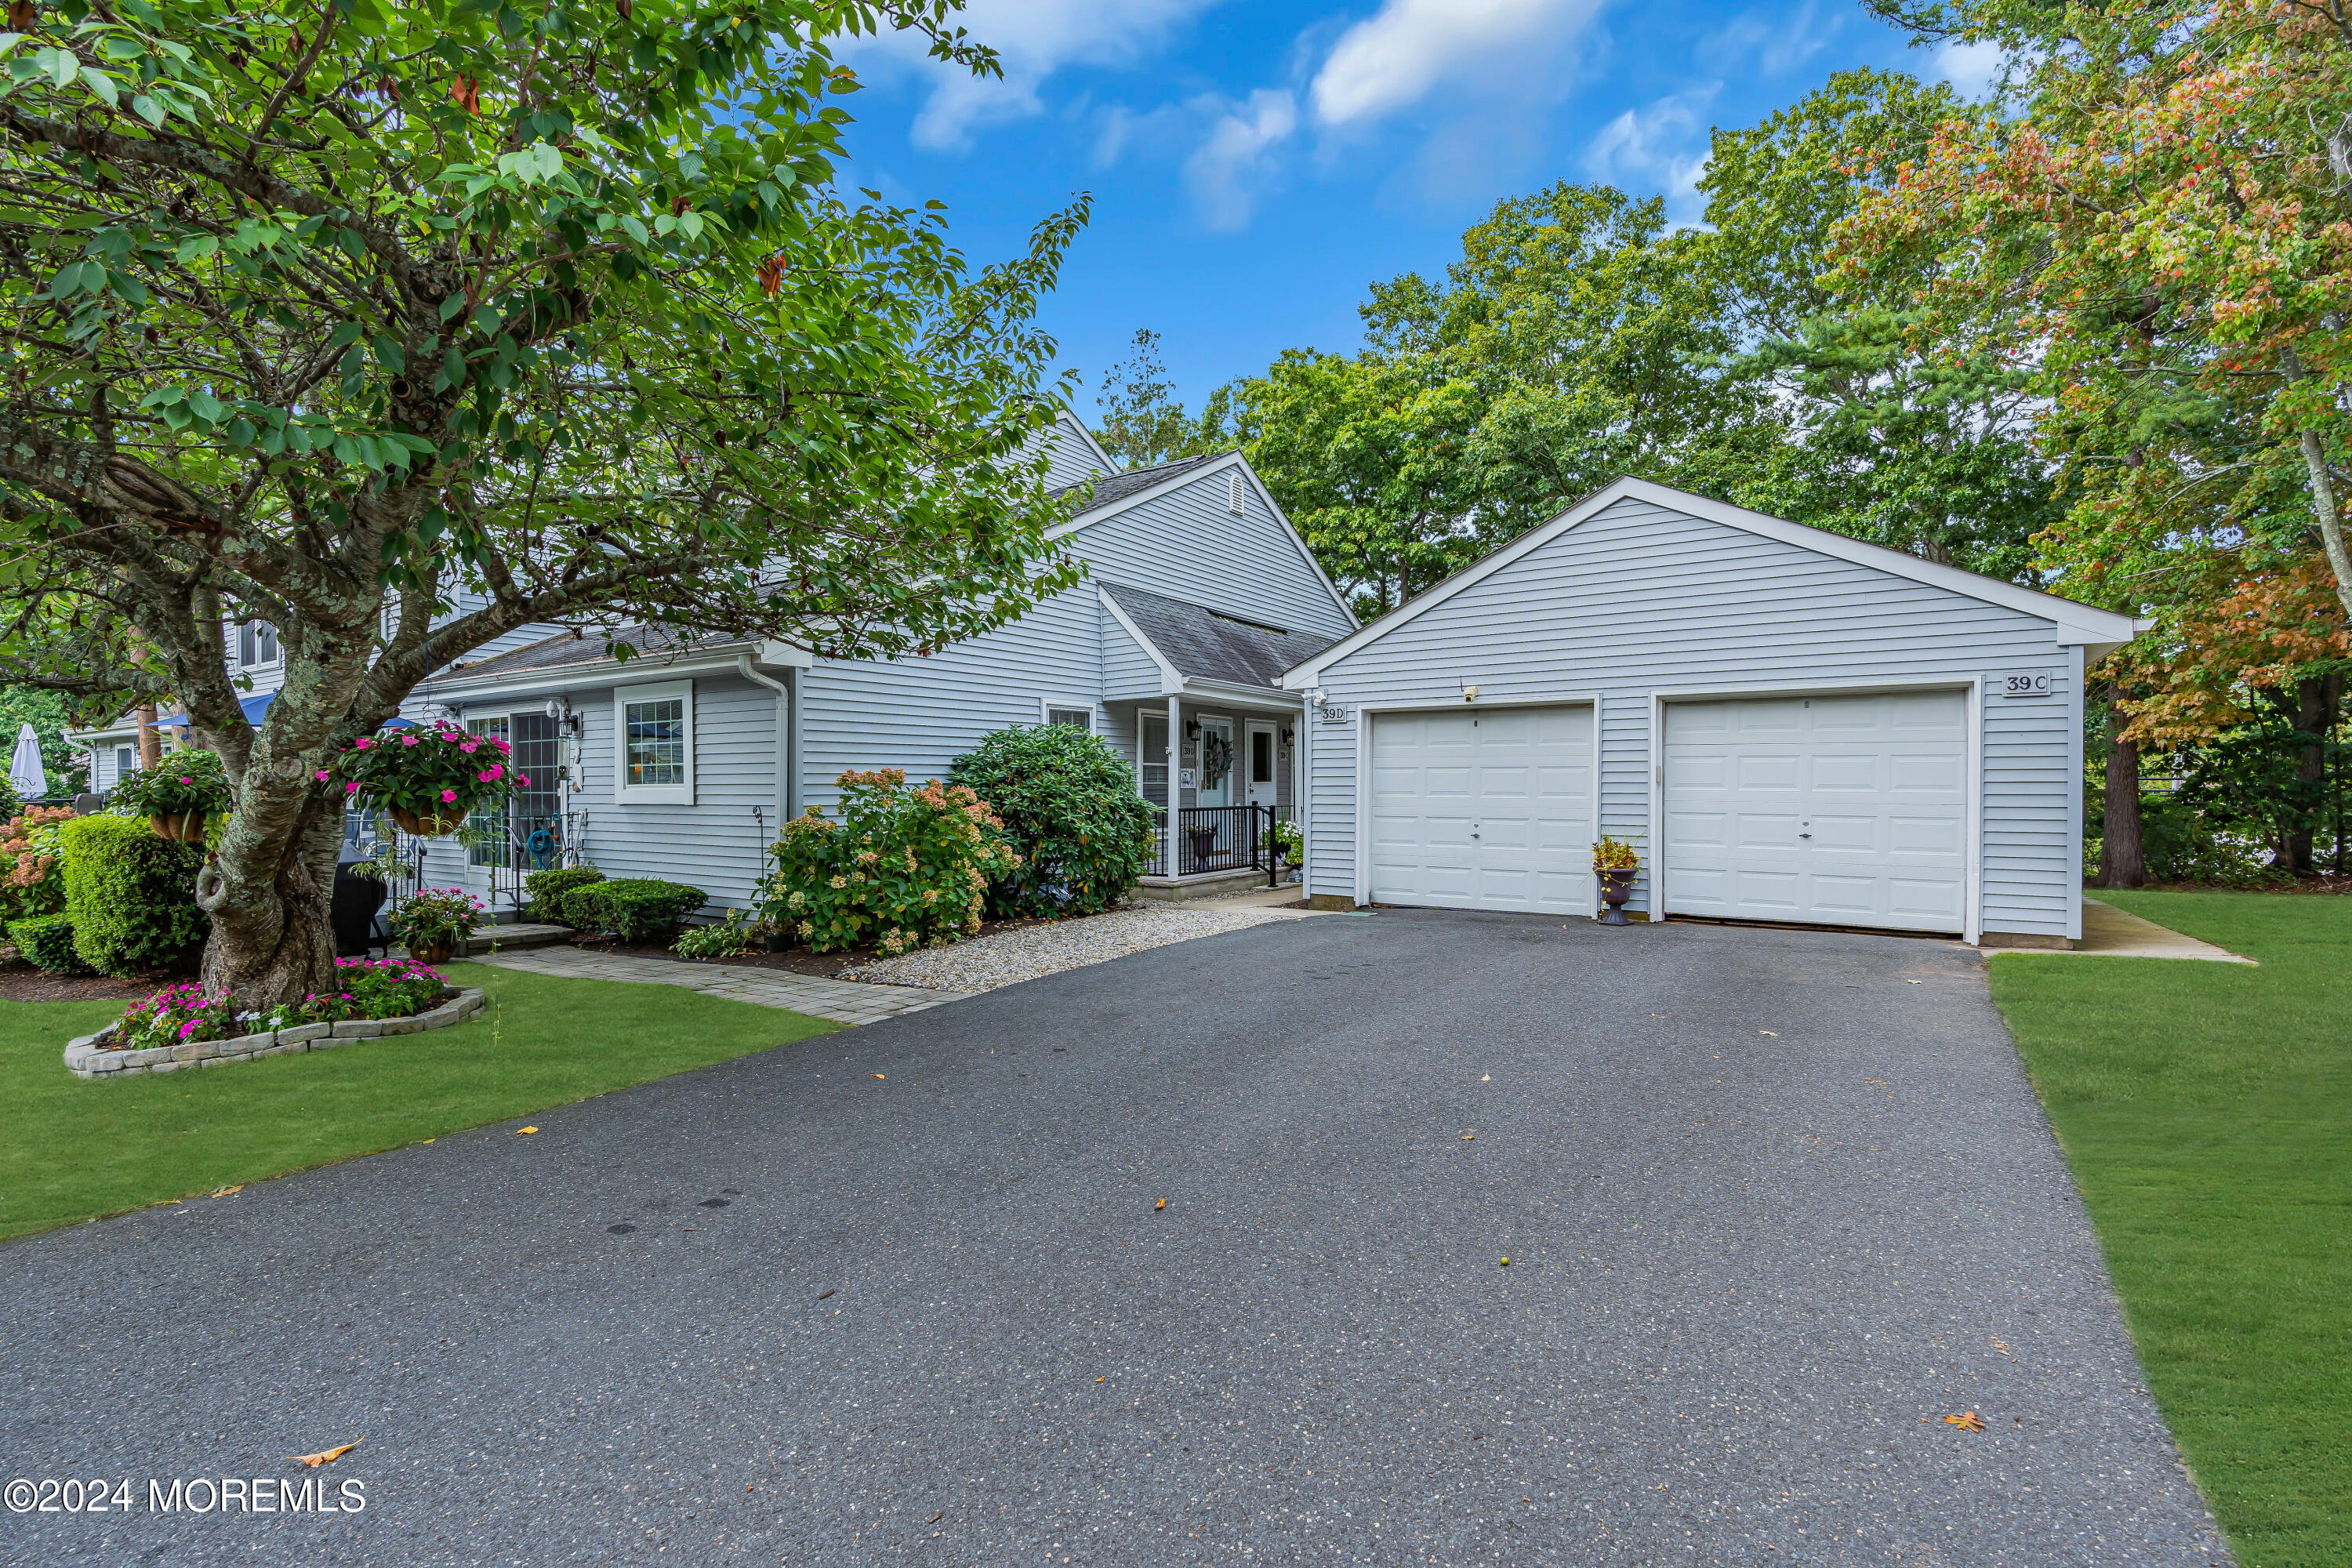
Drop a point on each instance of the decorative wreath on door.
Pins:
(1216, 759)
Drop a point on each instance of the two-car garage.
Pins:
(1788, 725)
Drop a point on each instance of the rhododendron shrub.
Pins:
(902, 868)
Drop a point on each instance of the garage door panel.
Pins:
(1755, 771)
(1844, 810)
(1501, 800)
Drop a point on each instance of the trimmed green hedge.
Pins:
(634, 909)
(547, 889)
(132, 895)
(45, 942)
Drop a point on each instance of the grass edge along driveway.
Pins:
(73, 1150)
(2206, 1110)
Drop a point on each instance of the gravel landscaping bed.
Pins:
(1008, 957)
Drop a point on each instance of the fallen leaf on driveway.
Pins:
(1969, 1422)
(1910, 983)
(823, 1294)
(1769, 1032)
(1158, 1206)
(935, 1519)
(1467, 1136)
(327, 1455)
(522, 1131)
(225, 1191)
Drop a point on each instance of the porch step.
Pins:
(515, 938)
(1203, 885)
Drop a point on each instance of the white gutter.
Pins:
(783, 734)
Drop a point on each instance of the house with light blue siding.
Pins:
(683, 761)
(1787, 724)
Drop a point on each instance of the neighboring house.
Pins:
(1788, 725)
(683, 761)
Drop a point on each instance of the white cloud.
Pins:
(1660, 147)
(1972, 68)
(1395, 58)
(1235, 161)
(1770, 42)
(1032, 39)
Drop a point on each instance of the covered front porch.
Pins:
(1234, 761)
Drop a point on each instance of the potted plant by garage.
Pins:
(176, 796)
(432, 922)
(426, 778)
(1613, 864)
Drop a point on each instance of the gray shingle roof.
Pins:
(586, 646)
(1208, 645)
(1110, 488)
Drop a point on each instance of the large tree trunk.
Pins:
(2123, 862)
(2316, 702)
(271, 942)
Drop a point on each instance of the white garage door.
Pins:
(1837, 810)
(1484, 809)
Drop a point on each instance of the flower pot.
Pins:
(182, 828)
(431, 953)
(1616, 886)
(437, 826)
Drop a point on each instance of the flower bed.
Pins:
(179, 1026)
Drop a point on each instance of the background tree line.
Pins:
(2027, 338)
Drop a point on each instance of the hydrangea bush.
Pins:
(435, 775)
(366, 988)
(902, 868)
(32, 862)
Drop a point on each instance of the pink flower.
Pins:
(351, 789)
(501, 745)
(496, 772)
(470, 747)
(362, 744)
(522, 781)
(186, 779)
(408, 739)
(323, 775)
(448, 794)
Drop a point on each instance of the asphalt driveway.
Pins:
(1775, 1205)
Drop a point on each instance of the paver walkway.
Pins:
(2109, 932)
(842, 1001)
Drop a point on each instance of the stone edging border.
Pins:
(85, 1057)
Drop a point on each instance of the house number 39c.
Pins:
(2032, 684)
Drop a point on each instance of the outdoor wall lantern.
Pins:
(1192, 728)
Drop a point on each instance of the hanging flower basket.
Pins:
(176, 796)
(427, 780)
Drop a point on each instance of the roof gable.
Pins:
(1197, 643)
(2097, 630)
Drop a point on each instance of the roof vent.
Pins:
(1234, 492)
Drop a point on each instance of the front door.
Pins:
(1259, 764)
(1217, 759)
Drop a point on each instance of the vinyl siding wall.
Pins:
(1188, 545)
(718, 843)
(1640, 598)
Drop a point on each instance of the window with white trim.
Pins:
(1078, 716)
(653, 743)
(1151, 758)
(257, 643)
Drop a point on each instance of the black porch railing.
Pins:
(1218, 838)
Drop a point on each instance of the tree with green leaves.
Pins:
(1143, 423)
(329, 313)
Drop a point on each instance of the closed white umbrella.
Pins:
(25, 767)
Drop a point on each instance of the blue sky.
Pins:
(1256, 163)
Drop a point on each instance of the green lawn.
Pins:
(2207, 1111)
(73, 1150)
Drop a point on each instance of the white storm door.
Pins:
(1257, 762)
(1824, 810)
(1484, 809)
(1219, 791)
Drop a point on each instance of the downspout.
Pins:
(786, 711)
